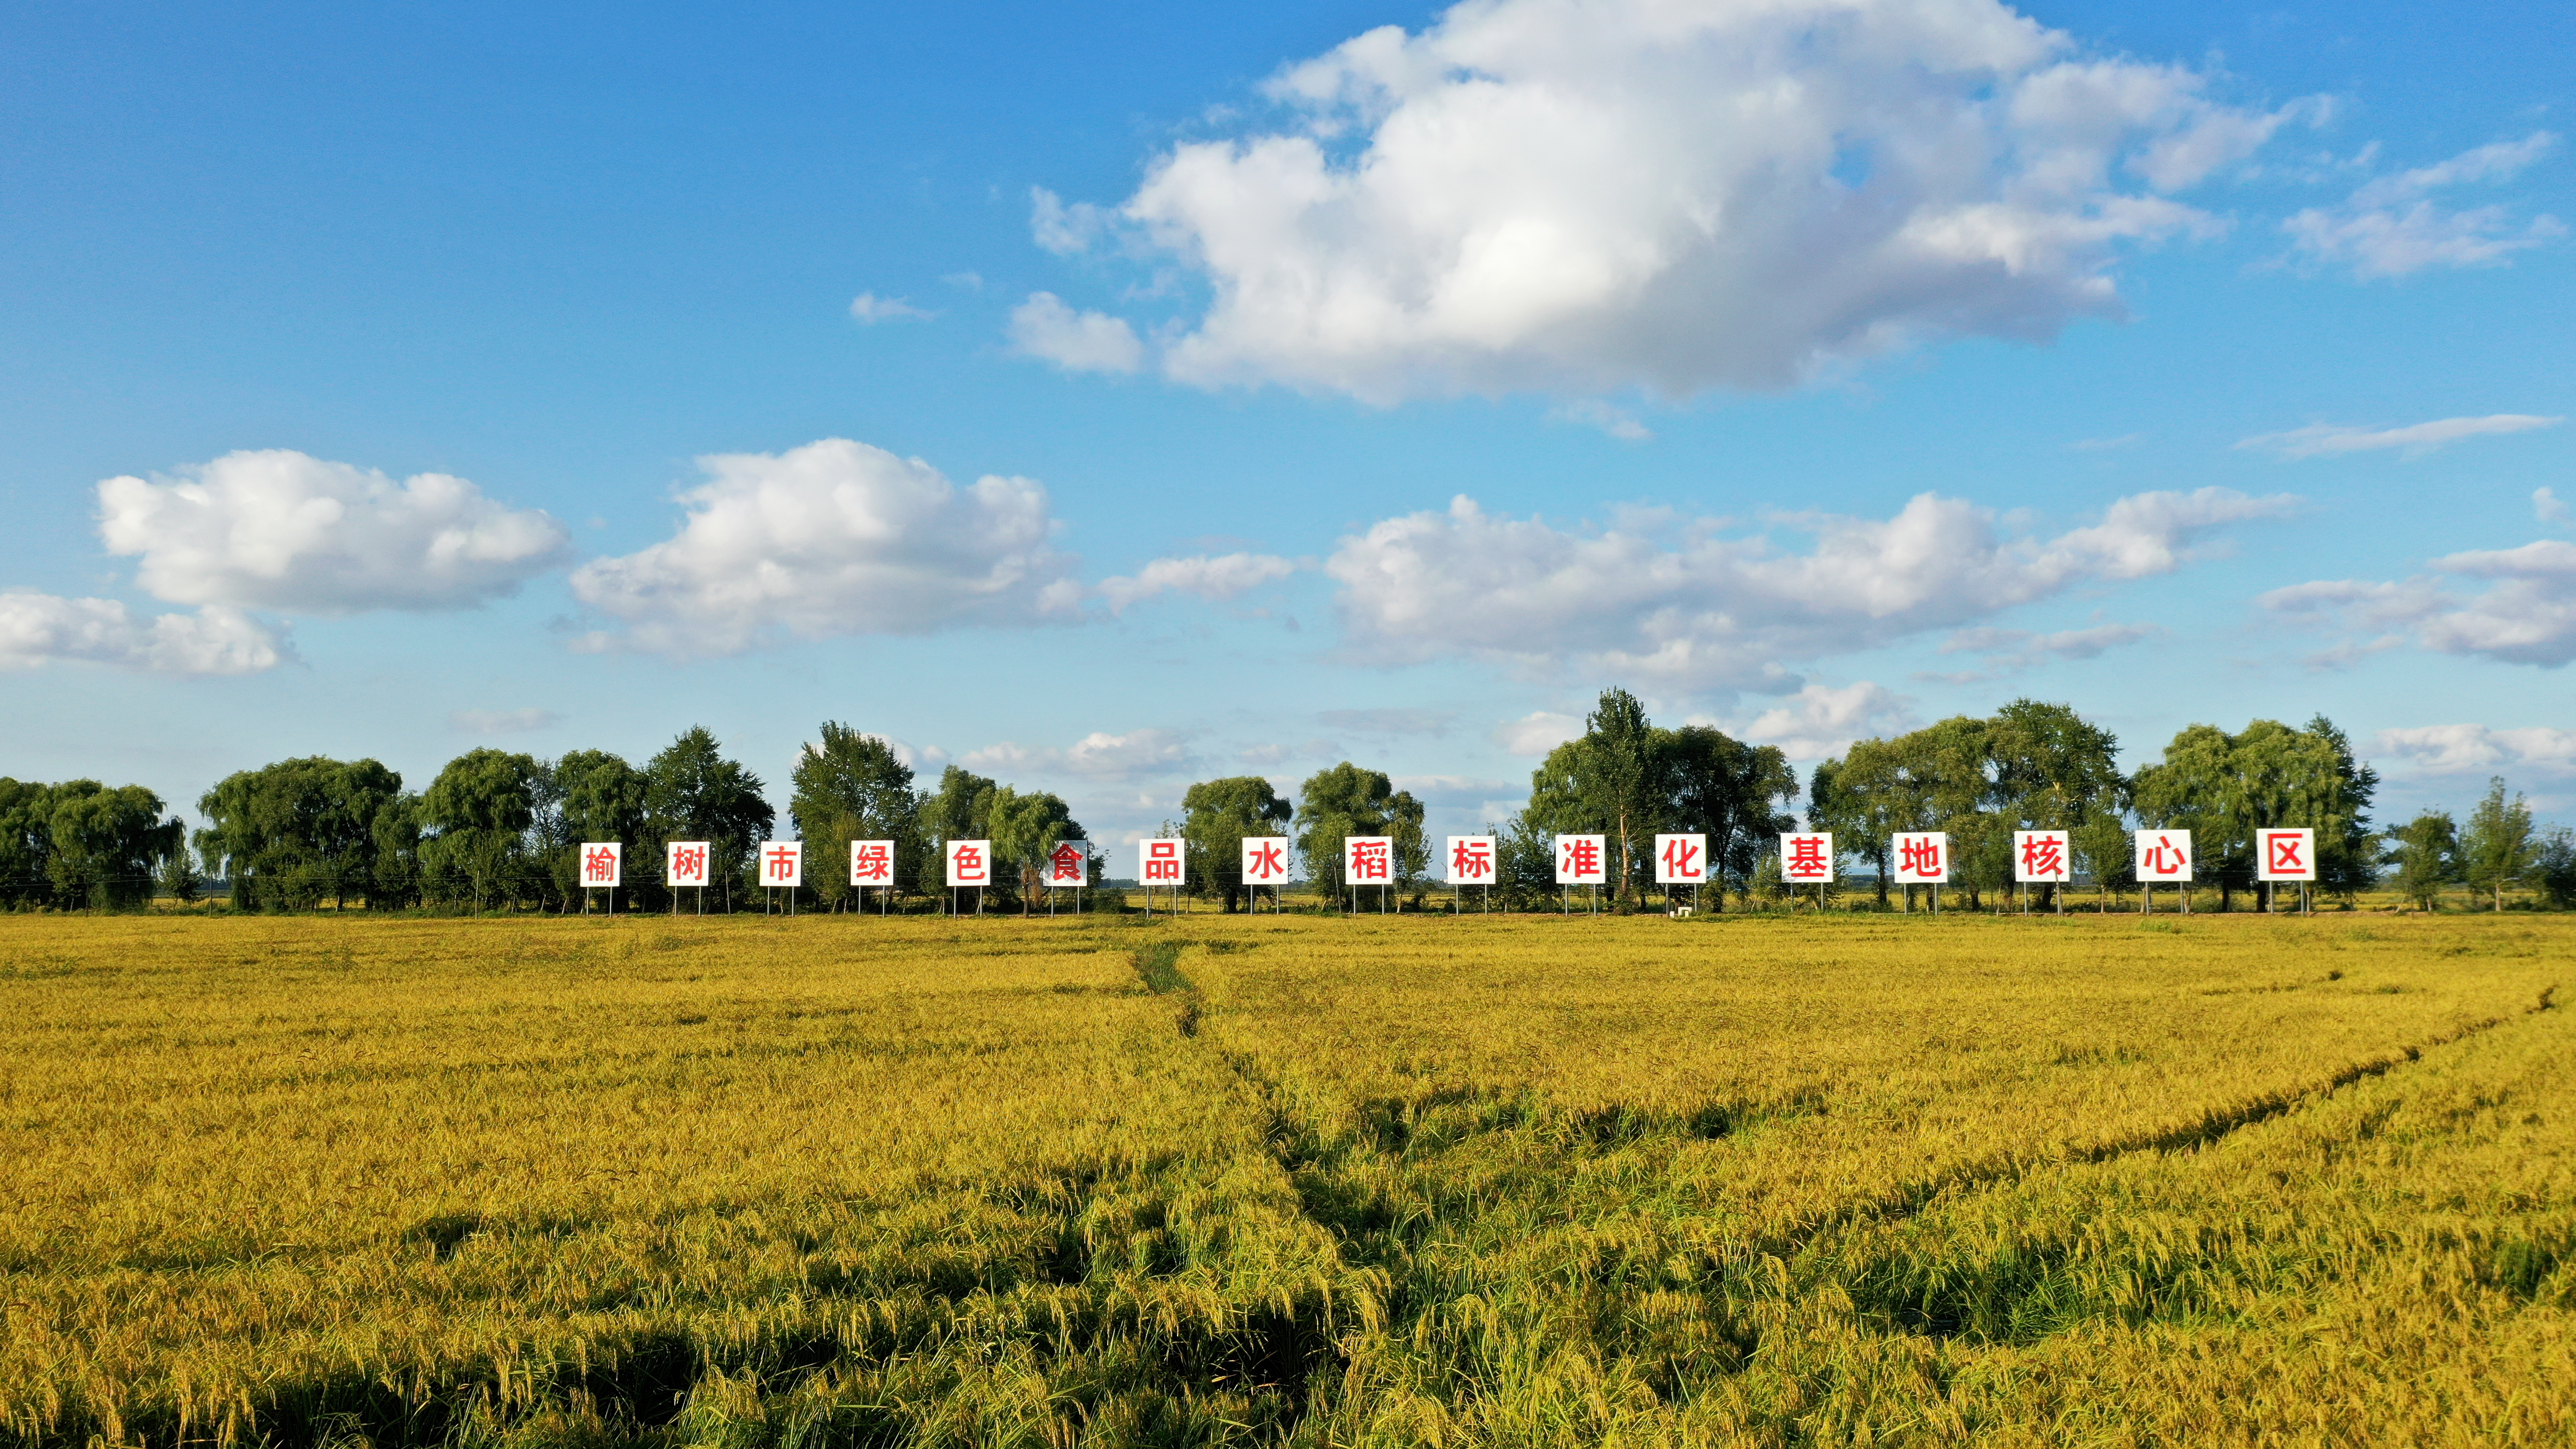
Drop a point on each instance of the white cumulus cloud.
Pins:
(2548, 507)
(1585, 196)
(1685, 602)
(278, 529)
(1221, 576)
(1044, 327)
(833, 538)
(37, 629)
(1137, 754)
(869, 308)
(1536, 733)
(2526, 613)
(1822, 721)
(2326, 440)
(2392, 226)
(2460, 749)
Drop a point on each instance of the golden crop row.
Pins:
(1231, 1180)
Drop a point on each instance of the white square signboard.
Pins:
(1158, 862)
(1368, 859)
(1265, 860)
(603, 864)
(684, 862)
(2041, 856)
(2164, 855)
(1922, 858)
(970, 863)
(1069, 864)
(1583, 860)
(782, 863)
(1681, 859)
(2285, 855)
(872, 863)
(1471, 860)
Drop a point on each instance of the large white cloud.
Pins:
(2526, 614)
(2393, 225)
(278, 529)
(1589, 195)
(38, 629)
(833, 538)
(2459, 749)
(1684, 602)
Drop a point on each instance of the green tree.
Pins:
(288, 834)
(960, 809)
(1621, 745)
(2426, 852)
(851, 786)
(2497, 847)
(1216, 815)
(480, 807)
(2223, 788)
(1347, 800)
(1025, 828)
(2554, 868)
(106, 844)
(26, 842)
(1718, 786)
(692, 792)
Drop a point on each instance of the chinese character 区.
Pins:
(2285, 854)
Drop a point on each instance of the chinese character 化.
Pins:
(1681, 860)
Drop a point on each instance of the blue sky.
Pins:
(400, 382)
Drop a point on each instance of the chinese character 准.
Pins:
(1266, 861)
(876, 862)
(1919, 857)
(2285, 854)
(2043, 857)
(1472, 858)
(1162, 861)
(1369, 860)
(1807, 860)
(782, 862)
(1583, 857)
(1681, 860)
(599, 863)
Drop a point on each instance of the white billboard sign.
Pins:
(684, 862)
(782, 863)
(1069, 864)
(1158, 862)
(1368, 859)
(1807, 857)
(2164, 855)
(1265, 860)
(2285, 855)
(1681, 859)
(970, 863)
(603, 864)
(1922, 857)
(1582, 860)
(872, 863)
(1471, 860)
(2041, 857)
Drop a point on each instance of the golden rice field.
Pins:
(2089, 1181)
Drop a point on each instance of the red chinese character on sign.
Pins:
(689, 862)
(1919, 857)
(782, 863)
(1267, 861)
(875, 863)
(1583, 857)
(1162, 861)
(1681, 860)
(1472, 858)
(1371, 860)
(970, 862)
(1807, 859)
(2043, 856)
(598, 864)
(2285, 854)
(1068, 862)
(2165, 857)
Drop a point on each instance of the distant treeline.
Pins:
(499, 829)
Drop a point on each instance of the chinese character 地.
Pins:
(1919, 857)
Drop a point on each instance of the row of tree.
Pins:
(502, 829)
